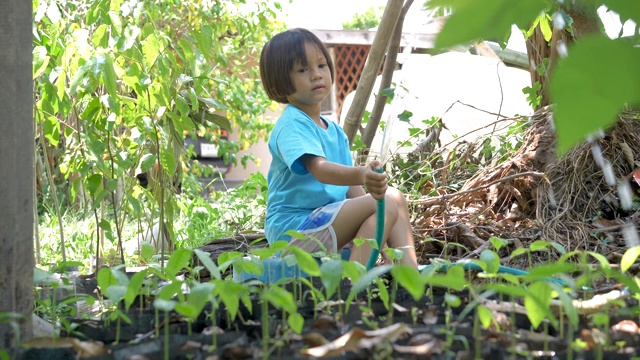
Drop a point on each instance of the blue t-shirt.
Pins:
(293, 192)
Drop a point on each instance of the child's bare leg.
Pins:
(401, 236)
(357, 219)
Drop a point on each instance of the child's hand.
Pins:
(375, 182)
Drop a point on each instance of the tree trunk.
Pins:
(585, 21)
(17, 168)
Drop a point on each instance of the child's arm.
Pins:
(355, 191)
(337, 174)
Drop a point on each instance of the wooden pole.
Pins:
(372, 67)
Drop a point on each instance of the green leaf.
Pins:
(230, 293)
(405, 116)
(168, 161)
(510, 290)
(519, 251)
(150, 50)
(280, 298)
(93, 184)
(306, 262)
(109, 76)
(539, 245)
(115, 293)
(100, 36)
(559, 247)
(537, 302)
(51, 128)
(453, 279)
(383, 293)
(567, 304)
(147, 251)
(497, 242)
(453, 301)
(170, 290)
(484, 315)
(488, 19)
(629, 258)
(296, 322)
(409, 278)
(199, 295)
(547, 270)
(178, 261)
(105, 225)
(40, 61)
(368, 278)
(205, 259)
(604, 263)
(545, 27)
(331, 274)
(133, 289)
(164, 305)
(625, 8)
(492, 260)
(148, 161)
(591, 86)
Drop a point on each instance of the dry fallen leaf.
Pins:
(432, 347)
(314, 339)
(84, 349)
(430, 316)
(212, 330)
(353, 340)
(325, 322)
(628, 326)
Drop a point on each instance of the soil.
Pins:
(423, 329)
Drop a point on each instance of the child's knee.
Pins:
(391, 207)
(397, 196)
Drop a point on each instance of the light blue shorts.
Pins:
(319, 230)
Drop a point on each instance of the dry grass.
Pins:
(535, 195)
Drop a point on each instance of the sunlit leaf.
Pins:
(497, 242)
(40, 61)
(629, 258)
(537, 301)
(488, 19)
(150, 49)
(539, 245)
(178, 261)
(591, 86)
(485, 316)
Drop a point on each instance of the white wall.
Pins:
(434, 85)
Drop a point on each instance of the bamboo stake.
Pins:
(387, 76)
(371, 67)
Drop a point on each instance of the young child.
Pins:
(313, 186)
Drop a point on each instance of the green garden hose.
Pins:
(379, 231)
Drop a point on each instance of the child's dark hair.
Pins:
(278, 57)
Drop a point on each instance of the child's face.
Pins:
(312, 82)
